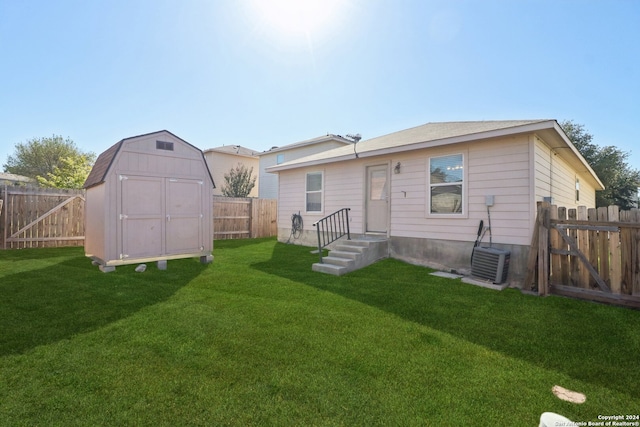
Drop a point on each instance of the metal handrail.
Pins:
(331, 228)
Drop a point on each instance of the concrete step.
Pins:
(350, 248)
(335, 270)
(345, 254)
(350, 255)
(345, 262)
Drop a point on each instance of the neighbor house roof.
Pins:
(104, 161)
(233, 149)
(445, 133)
(316, 140)
(12, 177)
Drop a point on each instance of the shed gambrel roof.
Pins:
(444, 133)
(104, 161)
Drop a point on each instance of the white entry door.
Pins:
(377, 198)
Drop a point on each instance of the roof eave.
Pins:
(531, 127)
(306, 143)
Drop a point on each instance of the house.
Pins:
(149, 198)
(426, 189)
(13, 179)
(222, 159)
(278, 155)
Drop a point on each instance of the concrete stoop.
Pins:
(350, 255)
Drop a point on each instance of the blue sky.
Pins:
(233, 72)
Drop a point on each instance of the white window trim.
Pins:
(465, 195)
(321, 191)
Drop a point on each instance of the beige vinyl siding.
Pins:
(499, 168)
(515, 170)
(268, 181)
(556, 178)
(291, 199)
(221, 163)
(342, 187)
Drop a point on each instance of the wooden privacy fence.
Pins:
(32, 217)
(237, 218)
(587, 253)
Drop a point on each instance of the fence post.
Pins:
(615, 263)
(544, 224)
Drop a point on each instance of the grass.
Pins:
(257, 338)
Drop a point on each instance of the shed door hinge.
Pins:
(123, 256)
(123, 216)
(123, 177)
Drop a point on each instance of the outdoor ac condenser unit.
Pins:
(490, 264)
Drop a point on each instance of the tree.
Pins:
(609, 163)
(238, 182)
(71, 173)
(40, 157)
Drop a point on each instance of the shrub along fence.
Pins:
(34, 217)
(587, 253)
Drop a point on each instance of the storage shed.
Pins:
(149, 198)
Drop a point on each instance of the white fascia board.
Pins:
(575, 151)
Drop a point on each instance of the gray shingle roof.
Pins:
(316, 140)
(234, 149)
(444, 132)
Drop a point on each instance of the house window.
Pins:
(279, 159)
(446, 176)
(314, 192)
(577, 190)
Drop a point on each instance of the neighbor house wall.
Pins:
(221, 163)
(269, 181)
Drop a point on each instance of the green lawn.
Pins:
(257, 338)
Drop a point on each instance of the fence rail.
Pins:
(236, 218)
(34, 217)
(587, 253)
(39, 217)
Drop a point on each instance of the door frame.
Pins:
(367, 168)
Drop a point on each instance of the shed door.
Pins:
(377, 199)
(142, 216)
(184, 216)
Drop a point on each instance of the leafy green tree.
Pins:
(610, 164)
(72, 172)
(39, 157)
(238, 182)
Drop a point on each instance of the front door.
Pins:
(377, 205)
